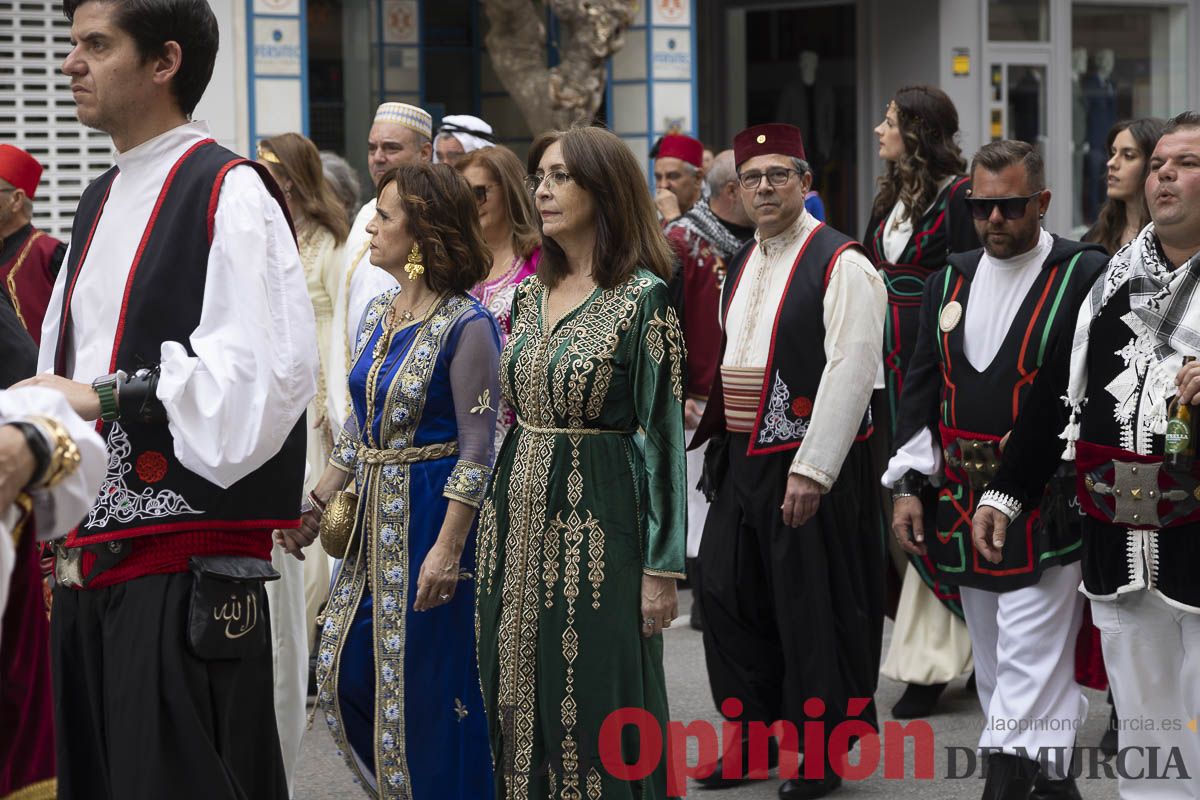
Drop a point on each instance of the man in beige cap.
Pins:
(401, 134)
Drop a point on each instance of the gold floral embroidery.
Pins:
(460, 710)
(594, 784)
(663, 340)
(483, 403)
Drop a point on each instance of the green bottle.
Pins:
(1180, 446)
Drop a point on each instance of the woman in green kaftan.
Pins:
(582, 534)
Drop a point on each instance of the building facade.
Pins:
(1057, 73)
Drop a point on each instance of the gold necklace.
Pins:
(379, 354)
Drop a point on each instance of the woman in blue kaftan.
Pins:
(397, 670)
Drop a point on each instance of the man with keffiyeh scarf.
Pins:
(1108, 396)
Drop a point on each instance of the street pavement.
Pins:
(323, 776)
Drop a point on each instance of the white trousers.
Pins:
(1152, 653)
(1024, 647)
(289, 646)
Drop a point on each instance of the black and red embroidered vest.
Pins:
(147, 490)
(978, 407)
(797, 356)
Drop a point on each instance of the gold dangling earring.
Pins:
(414, 267)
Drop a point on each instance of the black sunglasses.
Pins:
(1010, 207)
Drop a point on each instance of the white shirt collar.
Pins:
(1021, 260)
(169, 144)
(784, 238)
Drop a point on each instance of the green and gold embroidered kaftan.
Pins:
(589, 494)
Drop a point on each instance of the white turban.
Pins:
(471, 132)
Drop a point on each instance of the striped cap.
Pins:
(417, 119)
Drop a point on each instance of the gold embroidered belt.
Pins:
(573, 431)
(409, 455)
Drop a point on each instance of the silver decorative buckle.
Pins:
(1135, 493)
(68, 565)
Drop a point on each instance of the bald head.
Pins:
(725, 199)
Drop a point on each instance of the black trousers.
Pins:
(139, 717)
(793, 613)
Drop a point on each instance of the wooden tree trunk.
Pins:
(589, 31)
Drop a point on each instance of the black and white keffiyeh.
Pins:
(702, 222)
(1164, 298)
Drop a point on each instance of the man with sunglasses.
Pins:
(792, 589)
(987, 321)
(1106, 391)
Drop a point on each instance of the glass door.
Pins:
(1018, 91)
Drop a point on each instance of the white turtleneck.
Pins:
(854, 307)
(997, 292)
(229, 407)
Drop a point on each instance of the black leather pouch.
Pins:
(228, 613)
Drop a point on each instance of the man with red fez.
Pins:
(704, 240)
(678, 175)
(29, 258)
(792, 555)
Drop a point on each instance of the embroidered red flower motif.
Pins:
(802, 406)
(151, 466)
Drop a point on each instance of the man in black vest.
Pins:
(987, 321)
(1107, 391)
(791, 555)
(180, 320)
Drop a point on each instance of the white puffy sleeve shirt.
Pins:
(231, 405)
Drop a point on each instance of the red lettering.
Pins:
(814, 740)
(787, 736)
(894, 734)
(678, 770)
(731, 735)
(649, 748)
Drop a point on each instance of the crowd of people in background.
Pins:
(440, 461)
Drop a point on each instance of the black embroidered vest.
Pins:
(147, 490)
(982, 405)
(797, 356)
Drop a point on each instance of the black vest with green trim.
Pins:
(981, 406)
(796, 360)
(147, 490)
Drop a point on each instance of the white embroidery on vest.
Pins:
(117, 503)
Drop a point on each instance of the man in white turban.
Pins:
(458, 135)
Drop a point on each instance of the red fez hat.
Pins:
(20, 169)
(685, 148)
(774, 138)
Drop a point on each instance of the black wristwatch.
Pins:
(39, 447)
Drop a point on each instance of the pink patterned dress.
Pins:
(497, 297)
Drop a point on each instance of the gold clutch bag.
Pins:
(337, 523)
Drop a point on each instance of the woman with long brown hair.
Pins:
(918, 218)
(296, 599)
(581, 537)
(1125, 213)
(507, 218)
(396, 666)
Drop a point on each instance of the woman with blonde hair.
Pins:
(507, 218)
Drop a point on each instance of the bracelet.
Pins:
(909, 484)
(316, 501)
(39, 447)
(64, 453)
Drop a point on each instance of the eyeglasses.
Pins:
(481, 192)
(557, 178)
(1010, 207)
(776, 176)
